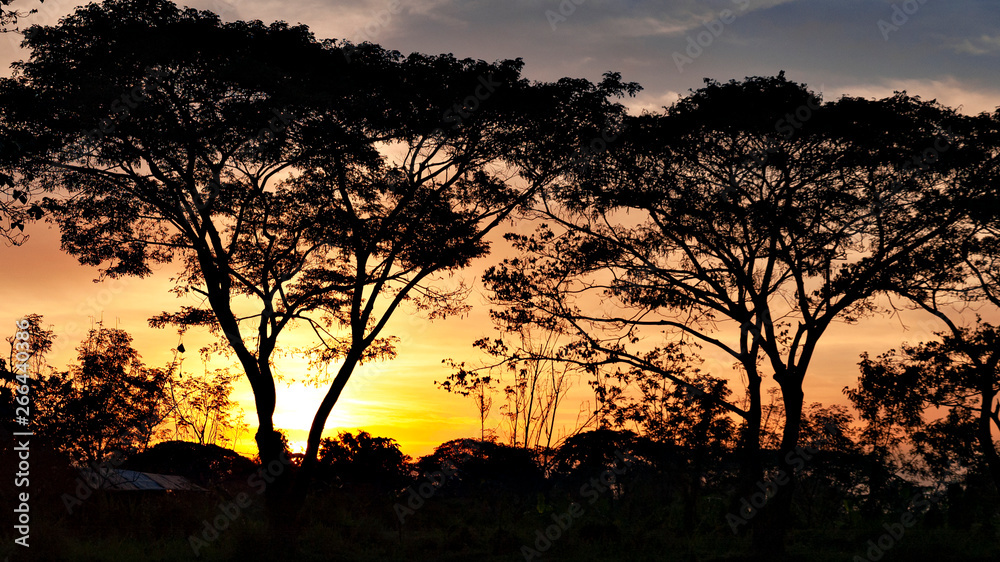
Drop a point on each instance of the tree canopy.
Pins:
(108, 403)
(309, 195)
(723, 223)
(307, 183)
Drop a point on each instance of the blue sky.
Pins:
(949, 50)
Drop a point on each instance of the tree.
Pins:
(30, 353)
(186, 151)
(205, 465)
(468, 383)
(590, 453)
(18, 206)
(960, 373)
(8, 17)
(200, 406)
(39, 344)
(960, 269)
(679, 415)
(539, 384)
(363, 459)
(164, 151)
(680, 420)
(108, 402)
(485, 469)
(828, 427)
(18, 203)
(730, 222)
(189, 172)
(834, 476)
(396, 227)
(14, 203)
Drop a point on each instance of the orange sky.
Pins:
(393, 399)
(941, 54)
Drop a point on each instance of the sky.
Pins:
(937, 49)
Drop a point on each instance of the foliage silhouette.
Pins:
(108, 403)
(958, 373)
(720, 222)
(361, 459)
(205, 465)
(191, 133)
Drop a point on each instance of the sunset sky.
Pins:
(935, 49)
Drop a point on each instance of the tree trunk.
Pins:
(269, 447)
(311, 459)
(769, 535)
(749, 450)
(984, 429)
(697, 466)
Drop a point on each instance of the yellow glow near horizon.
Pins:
(397, 398)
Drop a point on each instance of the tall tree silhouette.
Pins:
(963, 268)
(748, 217)
(393, 226)
(169, 138)
(173, 135)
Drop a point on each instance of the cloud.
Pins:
(948, 91)
(651, 102)
(983, 45)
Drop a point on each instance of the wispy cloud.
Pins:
(983, 45)
(947, 90)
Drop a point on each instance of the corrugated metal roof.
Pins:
(171, 482)
(131, 480)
